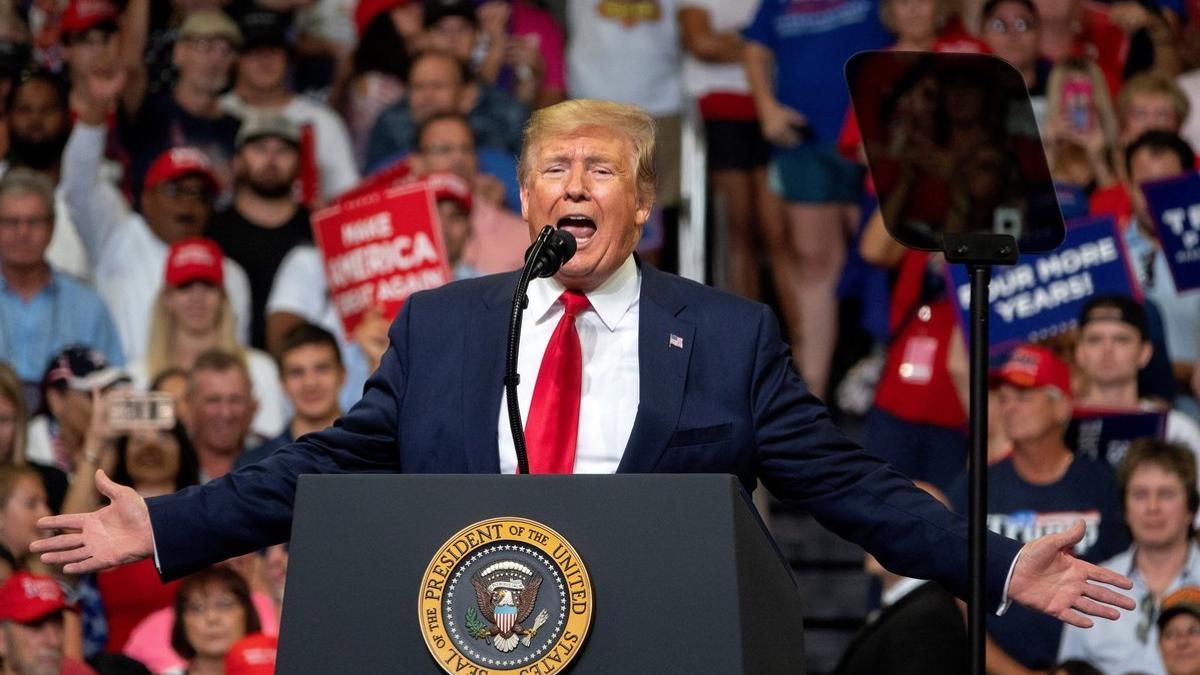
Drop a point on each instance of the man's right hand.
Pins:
(781, 125)
(117, 534)
(103, 86)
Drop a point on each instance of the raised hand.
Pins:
(117, 534)
(1050, 580)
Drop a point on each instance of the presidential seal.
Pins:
(505, 595)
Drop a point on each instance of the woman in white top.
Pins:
(192, 314)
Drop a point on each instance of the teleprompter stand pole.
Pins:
(978, 251)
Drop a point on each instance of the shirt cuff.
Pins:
(158, 565)
(1005, 601)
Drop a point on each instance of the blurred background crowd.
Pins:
(164, 313)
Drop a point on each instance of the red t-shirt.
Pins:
(130, 594)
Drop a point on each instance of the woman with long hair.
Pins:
(213, 610)
(192, 314)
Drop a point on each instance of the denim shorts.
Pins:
(816, 174)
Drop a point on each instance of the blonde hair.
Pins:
(1158, 84)
(568, 116)
(1106, 117)
(10, 388)
(160, 348)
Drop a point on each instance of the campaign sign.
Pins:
(1042, 294)
(379, 249)
(1106, 434)
(1175, 205)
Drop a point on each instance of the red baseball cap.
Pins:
(26, 598)
(252, 655)
(366, 11)
(1031, 366)
(450, 186)
(180, 162)
(84, 15)
(195, 259)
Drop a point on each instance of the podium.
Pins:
(684, 576)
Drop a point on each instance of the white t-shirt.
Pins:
(127, 259)
(1190, 84)
(701, 77)
(334, 152)
(274, 409)
(637, 64)
(300, 289)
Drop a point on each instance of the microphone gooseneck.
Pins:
(551, 249)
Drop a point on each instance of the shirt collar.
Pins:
(52, 285)
(902, 588)
(611, 300)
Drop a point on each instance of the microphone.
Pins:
(549, 252)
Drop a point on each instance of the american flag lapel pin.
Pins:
(675, 341)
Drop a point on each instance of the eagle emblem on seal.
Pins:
(506, 593)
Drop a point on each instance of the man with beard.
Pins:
(264, 222)
(38, 126)
(190, 114)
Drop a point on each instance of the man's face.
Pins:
(222, 409)
(1147, 166)
(25, 230)
(1156, 507)
(447, 146)
(267, 166)
(1012, 33)
(1180, 645)
(584, 182)
(1148, 111)
(177, 209)
(1111, 352)
(262, 68)
(312, 378)
(86, 50)
(204, 63)
(1031, 414)
(33, 648)
(453, 35)
(435, 86)
(38, 113)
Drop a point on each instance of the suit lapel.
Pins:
(664, 350)
(483, 374)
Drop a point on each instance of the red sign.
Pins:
(379, 249)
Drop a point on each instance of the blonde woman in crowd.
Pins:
(191, 315)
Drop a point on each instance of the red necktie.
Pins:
(553, 424)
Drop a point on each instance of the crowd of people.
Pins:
(162, 161)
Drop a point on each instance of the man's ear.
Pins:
(1145, 353)
(524, 202)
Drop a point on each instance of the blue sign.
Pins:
(1106, 434)
(1042, 294)
(1175, 205)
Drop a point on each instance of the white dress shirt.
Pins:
(608, 335)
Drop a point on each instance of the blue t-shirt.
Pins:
(811, 40)
(1021, 511)
(65, 312)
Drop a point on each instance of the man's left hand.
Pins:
(1047, 578)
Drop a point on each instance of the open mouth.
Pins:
(580, 227)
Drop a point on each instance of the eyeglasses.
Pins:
(219, 46)
(1181, 633)
(13, 222)
(177, 191)
(221, 605)
(1017, 26)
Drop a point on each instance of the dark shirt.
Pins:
(259, 250)
(1022, 511)
(162, 124)
(922, 634)
(261, 452)
(497, 121)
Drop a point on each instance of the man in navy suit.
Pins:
(676, 377)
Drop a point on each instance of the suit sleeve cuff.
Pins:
(1005, 601)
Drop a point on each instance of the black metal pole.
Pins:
(977, 462)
